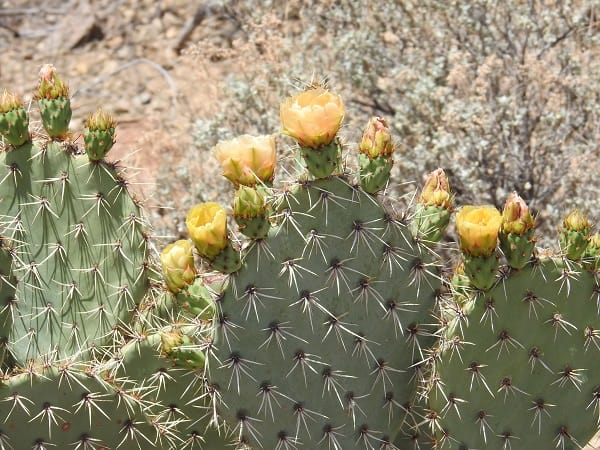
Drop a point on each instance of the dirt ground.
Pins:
(128, 57)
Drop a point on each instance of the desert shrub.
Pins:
(505, 95)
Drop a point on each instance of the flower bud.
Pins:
(182, 349)
(577, 221)
(251, 212)
(99, 135)
(14, 121)
(50, 86)
(247, 160)
(377, 140)
(575, 234)
(177, 262)
(248, 203)
(312, 117)
(436, 191)
(478, 228)
(9, 102)
(207, 227)
(516, 217)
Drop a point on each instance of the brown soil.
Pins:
(122, 56)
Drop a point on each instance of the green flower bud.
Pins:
(14, 121)
(577, 221)
(99, 135)
(575, 235)
(248, 203)
(51, 86)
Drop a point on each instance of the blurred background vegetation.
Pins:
(503, 94)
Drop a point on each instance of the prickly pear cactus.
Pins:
(82, 363)
(78, 249)
(518, 366)
(320, 333)
(321, 328)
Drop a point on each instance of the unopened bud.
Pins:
(99, 135)
(248, 203)
(436, 191)
(575, 235)
(50, 85)
(577, 221)
(9, 102)
(377, 140)
(177, 262)
(516, 217)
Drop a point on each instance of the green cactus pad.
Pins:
(374, 173)
(177, 398)
(79, 249)
(481, 270)
(56, 114)
(14, 126)
(519, 366)
(573, 243)
(429, 222)
(518, 249)
(322, 161)
(320, 336)
(63, 407)
(98, 142)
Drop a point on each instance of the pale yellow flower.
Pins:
(207, 227)
(177, 262)
(247, 159)
(478, 228)
(312, 117)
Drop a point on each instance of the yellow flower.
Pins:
(207, 227)
(312, 117)
(478, 228)
(177, 262)
(247, 159)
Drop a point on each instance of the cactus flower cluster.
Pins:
(318, 318)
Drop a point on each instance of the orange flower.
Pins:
(478, 228)
(247, 159)
(312, 117)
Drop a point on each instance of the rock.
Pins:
(76, 28)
